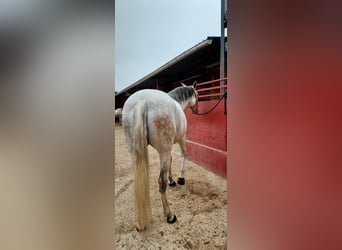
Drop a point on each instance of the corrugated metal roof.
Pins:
(170, 63)
(186, 65)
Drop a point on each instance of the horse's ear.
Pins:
(194, 84)
(183, 84)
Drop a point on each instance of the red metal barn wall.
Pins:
(207, 137)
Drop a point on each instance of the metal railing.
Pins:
(211, 90)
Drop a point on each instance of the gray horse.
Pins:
(152, 117)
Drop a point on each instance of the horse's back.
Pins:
(156, 101)
(149, 96)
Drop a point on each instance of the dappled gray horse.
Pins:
(152, 117)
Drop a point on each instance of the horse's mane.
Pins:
(181, 94)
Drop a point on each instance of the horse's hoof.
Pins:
(181, 181)
(171, 219)
(172, 184)
(139, 230)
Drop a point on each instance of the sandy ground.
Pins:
(200, 206)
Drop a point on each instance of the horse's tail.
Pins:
(141, 168)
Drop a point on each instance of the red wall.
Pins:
(207, 137)
(285, 127)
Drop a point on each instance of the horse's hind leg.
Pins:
(172, 183)
(181, 180)
(165, 164)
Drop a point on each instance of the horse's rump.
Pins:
(166, 121)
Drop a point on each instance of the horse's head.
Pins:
(193, 103)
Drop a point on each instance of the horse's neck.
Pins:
(184, 104)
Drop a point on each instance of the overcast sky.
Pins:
(150, 33)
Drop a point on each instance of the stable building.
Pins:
(207, 132)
